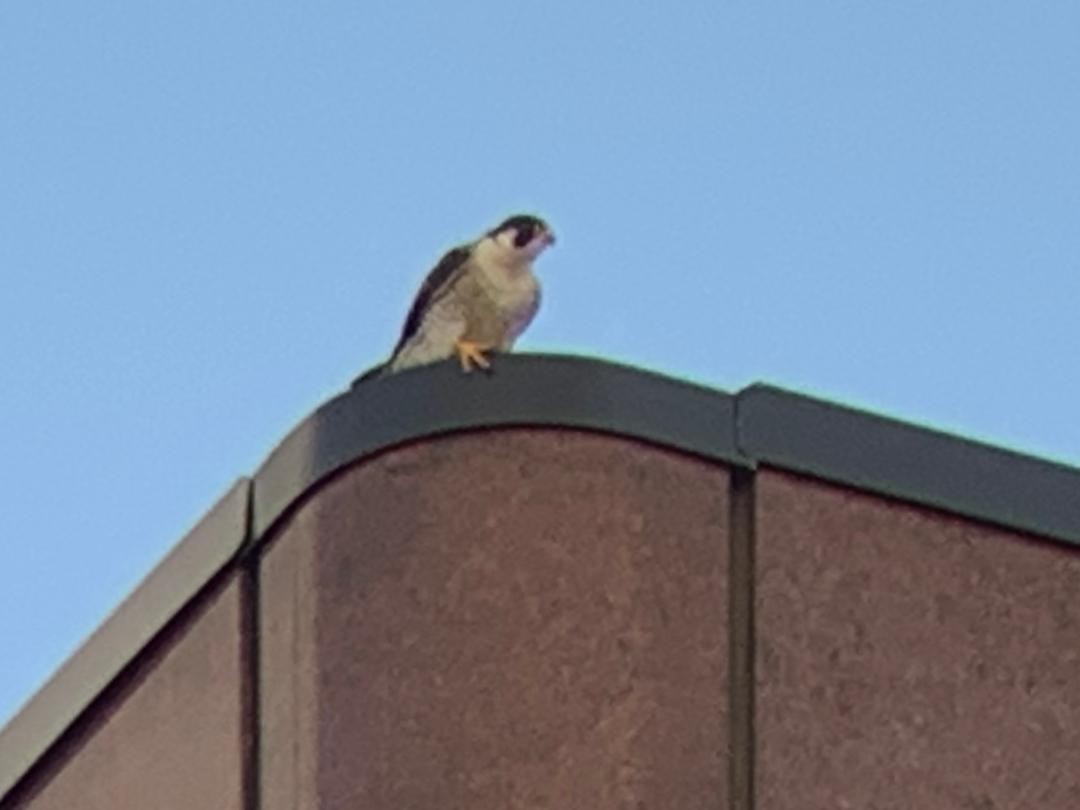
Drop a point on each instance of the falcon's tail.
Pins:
(371, 373)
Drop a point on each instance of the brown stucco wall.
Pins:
(910, 659)
(171, 736)
(553, 617)
(521, 618)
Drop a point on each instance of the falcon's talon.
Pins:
(469, 352)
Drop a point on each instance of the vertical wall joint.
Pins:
(741, 640)
(250, 733)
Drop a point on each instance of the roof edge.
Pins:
(201, 554)
(523, 390)
(898, 459)
(761, 424)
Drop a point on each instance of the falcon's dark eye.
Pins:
(524, 235)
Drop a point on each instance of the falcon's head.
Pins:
(524, 235)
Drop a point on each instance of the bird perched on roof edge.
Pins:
(480, 297)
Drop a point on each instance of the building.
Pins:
(572, 584)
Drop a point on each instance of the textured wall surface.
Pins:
(561, 618)
(512, 619)
(910, 659)
(172, 738)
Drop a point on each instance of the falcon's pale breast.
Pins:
(514, 295)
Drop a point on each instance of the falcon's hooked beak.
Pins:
(548, 237)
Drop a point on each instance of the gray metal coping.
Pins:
(900, 460)
(202, 553)
(522, 390)
(760, 425)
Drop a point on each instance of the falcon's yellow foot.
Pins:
(469, 353)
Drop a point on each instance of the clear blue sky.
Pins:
(213, 214)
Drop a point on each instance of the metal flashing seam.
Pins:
(522, 391)
(761, 424)
(897, 459)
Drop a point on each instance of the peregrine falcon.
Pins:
(478, 298)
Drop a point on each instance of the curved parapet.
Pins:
(570, 583)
